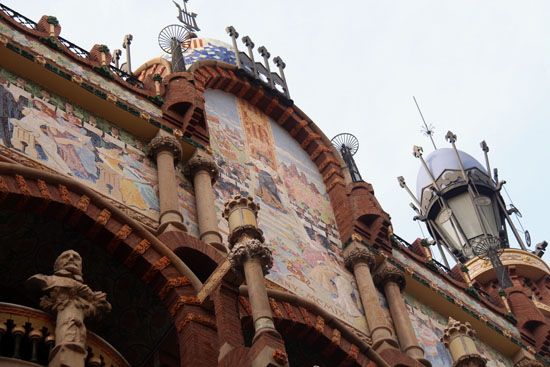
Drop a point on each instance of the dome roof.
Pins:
(207, 49)
(441, 160)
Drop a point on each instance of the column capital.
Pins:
(458, 338)
(251, 249)
(389, 273)
(358, 254)
(165, 143)
(201, 161)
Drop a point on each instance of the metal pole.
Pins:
(234, 35)
(281, 65)
(126, 45)
(266, 55)
(402, 183)
(485, 149)
(116, 57)
(250, 46)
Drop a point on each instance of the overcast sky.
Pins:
(478, 68)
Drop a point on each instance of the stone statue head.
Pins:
(69, 264)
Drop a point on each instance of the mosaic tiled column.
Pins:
(458, 338)
(250, 255)
(392, 281)
(166, 149)
(202, 170)
(360, 260)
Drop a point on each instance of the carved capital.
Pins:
(239, 200)
(251, 249)
(389, 273)
(458, 338)
(456, 327)
(359, 255)
(165, 143)
(201, 161)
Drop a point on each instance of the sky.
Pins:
(478, 68)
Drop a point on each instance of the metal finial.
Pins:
(279, 62)
(451, 137)
(126, 45)
(248, 42)
(417, 151)
(263, 52)
(189, 20)
(116, 57)
(427, 130)
(232, 31)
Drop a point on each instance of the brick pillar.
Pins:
(202, 170)
(458, 338)
(166, 149)
(197, 338)
(252, 257)
(360, 260)
(230, 334)
(392, 281)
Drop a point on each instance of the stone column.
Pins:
(202, 171)
(360, 260)
(166, 149)
(458, 338)
(72, 301)
(250, 255)
(392, 281)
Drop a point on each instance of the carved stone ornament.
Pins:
(239, 200)
(458, 338)
(163, 143)
(71, 299)
(359, 255)
(201, 161)
(456, 327)
(249, 249)
(389, 273)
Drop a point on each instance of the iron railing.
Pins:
(77, 50)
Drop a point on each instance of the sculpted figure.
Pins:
(72, 301)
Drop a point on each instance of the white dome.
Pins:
(441, 160)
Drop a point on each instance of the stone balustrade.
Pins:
(27, 337)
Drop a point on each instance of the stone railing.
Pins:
(27, 337)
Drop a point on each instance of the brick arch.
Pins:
(315, 330)
(28, 189)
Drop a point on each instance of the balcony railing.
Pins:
(77, 50)
(27, 334)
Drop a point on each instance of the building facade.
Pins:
(195, 216)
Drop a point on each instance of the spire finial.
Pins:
(427, 130)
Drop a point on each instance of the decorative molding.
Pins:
(166, 143)
(201, 161)
(389, 273)
(359, 255)
(250, 249)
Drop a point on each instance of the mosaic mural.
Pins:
(429, 327)
(462, 296)
(259, 158)
(73, 67)
(67, 139)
